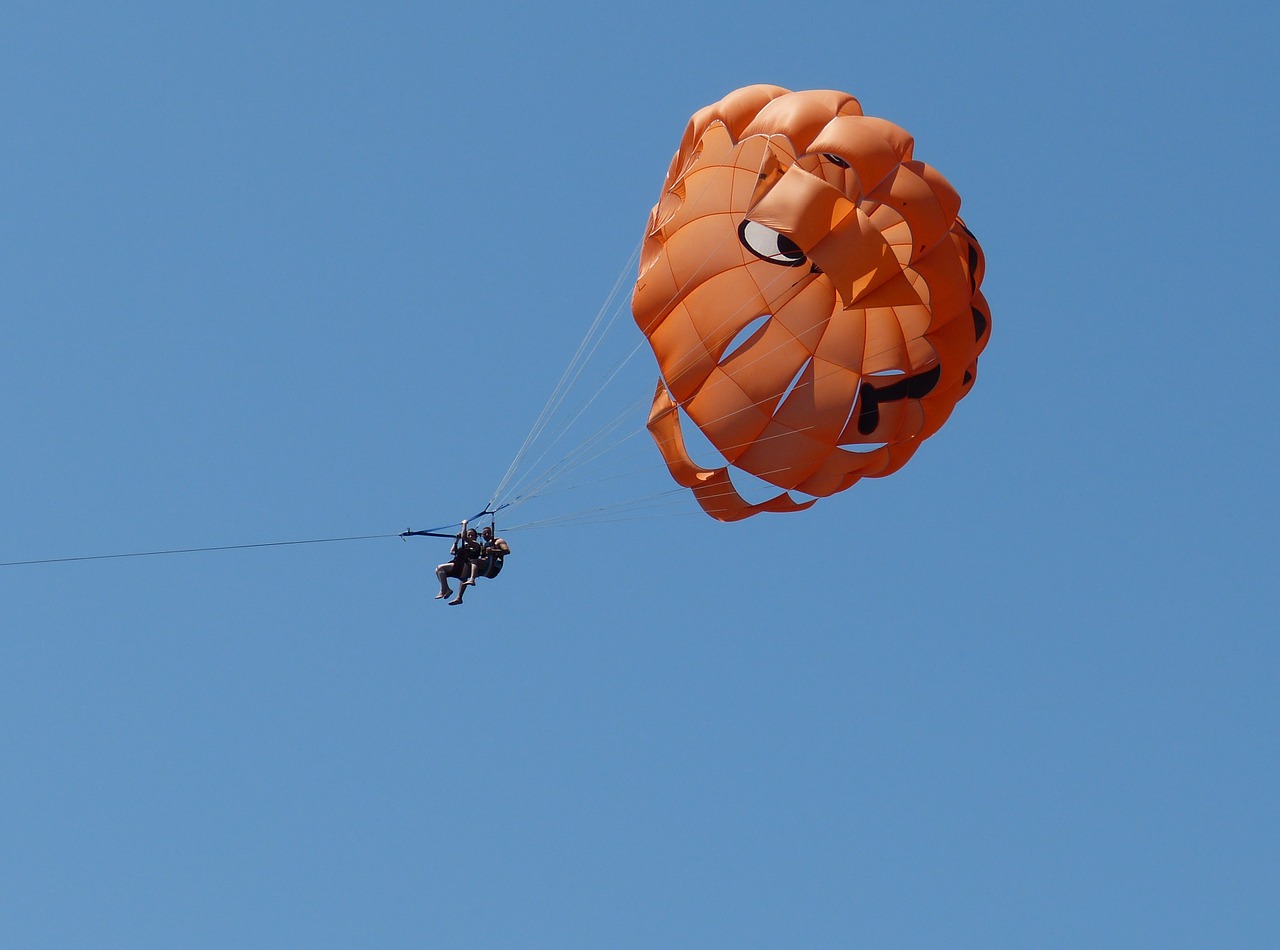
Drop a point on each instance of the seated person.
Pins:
(466, 549)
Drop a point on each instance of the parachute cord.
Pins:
(602, 519)
(562, 385)
(675, 497)
(565, 427)
(220, 547)
(574, 457)
(554, 476)
(588, 483)
(571, 372)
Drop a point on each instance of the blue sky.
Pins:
(278, 272)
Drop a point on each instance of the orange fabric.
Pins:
(712, 487)
(811, 296)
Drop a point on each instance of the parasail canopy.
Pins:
(811, 295)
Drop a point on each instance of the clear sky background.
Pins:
(301, 271)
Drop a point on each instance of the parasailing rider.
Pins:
(489, 563)
(466, 550)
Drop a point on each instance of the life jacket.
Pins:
(491, 560)
(465, 550)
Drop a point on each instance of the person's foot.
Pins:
(447, 592)
(468, 583)
(455, 601)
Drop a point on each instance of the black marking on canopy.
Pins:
(979, 323)
(909, 387)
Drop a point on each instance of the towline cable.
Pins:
(220, 547)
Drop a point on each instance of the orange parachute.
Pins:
(811, 295)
